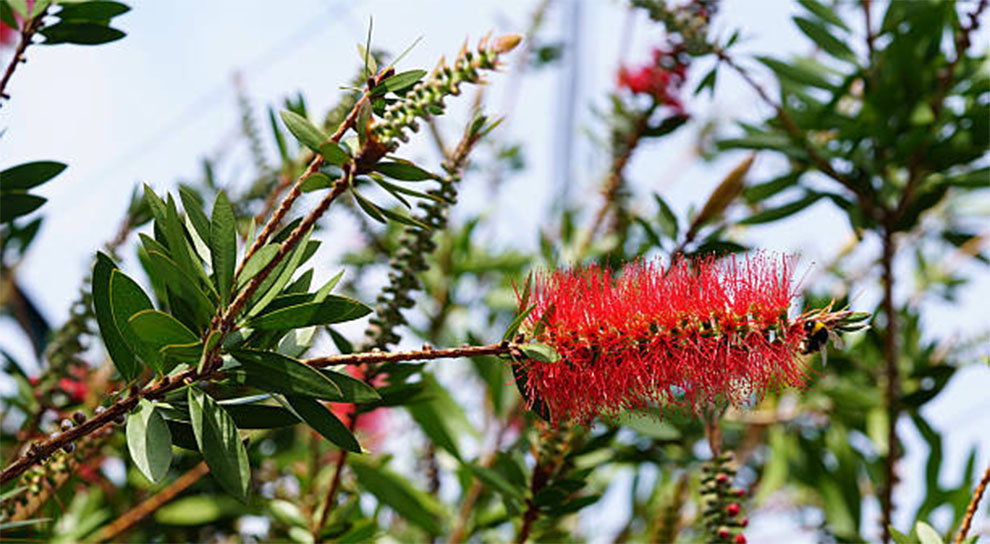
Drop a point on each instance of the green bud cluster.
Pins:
(426, 98)
(415, 245)
(722, 510)
(689, 21)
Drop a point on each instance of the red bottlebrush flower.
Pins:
(75, 389)
(695, 334)
(732, 510)
(740, 539)
(724, 533)
(660, 79)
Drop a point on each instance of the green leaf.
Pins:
(666, 218)
(335, 309)
(197, 510)
(14, 205)
(403, 218)
(304, 131)
(369, 208)
(223, 246)
(439, 416)
(824, 13)
(28, 175)
(323, 421)
(495, 481)
(510, 332)
(178, 244)
(315, 182)
(189, 352)
(926, 534)
(403, 80)
(403, 171)
(126, 299)
(796, 73)
(334, 153)
(708, 82)
(181, 284)
(763, 191)
(257, 263)
(193, 206)
(9, 525)
(899, 537)
(540, 352)
(275, 372)
(98, 11)
(82, 33)
(118, 350)
(780, 212)
(149, 441)
(159, 329)
(258, 416)
(280, 276)
(395, 492)
(395, 189)
(824, 39)
(351, 388)
(218, 440)
(21, 7)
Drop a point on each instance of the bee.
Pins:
(816, 336)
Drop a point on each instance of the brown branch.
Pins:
(372, 357)
(30, 27)
(819, 161)
(313, 167)
(38, 452)
(613, 180)
(973, 503)
(892, 390)
(56, 473)
(149, 505)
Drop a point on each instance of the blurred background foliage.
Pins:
(886, 119)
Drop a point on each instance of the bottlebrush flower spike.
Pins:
(696, 334)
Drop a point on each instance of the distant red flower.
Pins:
(661, 79)
(75, 389)
(371, 425)
(695, 334)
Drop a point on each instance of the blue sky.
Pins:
(149, 107)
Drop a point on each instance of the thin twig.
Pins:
(373, 357)
(973, 503)
(613, 179)
(149, 505)
(892, 389)
(820, 162)
(30, 27)
(313, 167)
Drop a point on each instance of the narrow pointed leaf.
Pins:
(323, 421)
(257, 263)
(28, 175)
(395, 492)
(277, 373)
(304, 131)
(352, 389)
(183, 285)
(403, 171)
(335, 309)
(223, 246)
(218, 440)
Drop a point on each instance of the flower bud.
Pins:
(506, 43)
